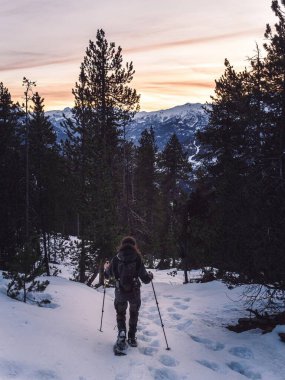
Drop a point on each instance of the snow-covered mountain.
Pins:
(184, 120)
(56, 118)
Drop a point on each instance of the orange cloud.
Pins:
(174, 86)
(184, 84)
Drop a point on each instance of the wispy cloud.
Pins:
(193, 41)
(177, 84)
(31, 60)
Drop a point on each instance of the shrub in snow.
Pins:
(23, 276)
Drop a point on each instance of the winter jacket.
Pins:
(128, 254)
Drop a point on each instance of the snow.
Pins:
(64, 342)
(181, 111)
(190, 158)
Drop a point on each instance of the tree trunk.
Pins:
(46, 256)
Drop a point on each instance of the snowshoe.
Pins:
(132, 342)
(121, 345)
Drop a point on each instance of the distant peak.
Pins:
(173, 111)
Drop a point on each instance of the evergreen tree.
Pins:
(174, 178)
(43, 156)
(11, 175)
(275, 95)
(242, 168)
(104, 103)
(146, 192)
(25, 266)
(126, 166)
(28, 84)
(225, 158)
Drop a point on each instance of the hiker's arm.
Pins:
(145, 276)
(108, 269)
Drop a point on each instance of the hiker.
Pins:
(128, 269)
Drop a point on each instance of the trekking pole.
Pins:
(103, 306)
(162, 325)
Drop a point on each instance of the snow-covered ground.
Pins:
(64, 341)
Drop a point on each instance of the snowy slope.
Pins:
(64, 343)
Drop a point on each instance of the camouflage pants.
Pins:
(121, 304)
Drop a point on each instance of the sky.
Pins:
(178, 47)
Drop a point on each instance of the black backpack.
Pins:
(128, 275)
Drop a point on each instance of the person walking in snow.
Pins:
(128, 269)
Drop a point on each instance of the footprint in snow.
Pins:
(155, 343)
(170, 309)
(45, 374)
(214, 346)
(150, 333)
(150, 316)
(142, 325)
(244, 370)
(175, 316)
(148, 351)
(241, 352)
(10, 369)
(144, 314)
(184, 325)
(168, 361)
(144, 338)
(211, 365)
(187, 299)
(121, 376)
(164, 374)
(157, 321)
(179, 305)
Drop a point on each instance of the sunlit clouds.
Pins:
(177, 47)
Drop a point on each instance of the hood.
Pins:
(127, 253)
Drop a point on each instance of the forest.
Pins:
(227, 215)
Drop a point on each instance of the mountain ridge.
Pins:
(184, 120)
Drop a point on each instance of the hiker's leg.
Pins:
(121, 308)
(135, 303)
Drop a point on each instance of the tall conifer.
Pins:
(104, 103)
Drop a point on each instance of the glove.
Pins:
(150, 275)
(106, 265)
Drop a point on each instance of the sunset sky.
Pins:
(178, 47)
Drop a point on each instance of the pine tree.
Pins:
(227, 158)
(104, 104)
(146, 192)
(275, 78)
(25, 266)
(242, 168)
(43, 156)
(174, 180)
(28, 84)
(127, 195)
(11, 175)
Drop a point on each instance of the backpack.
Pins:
(128, 275)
